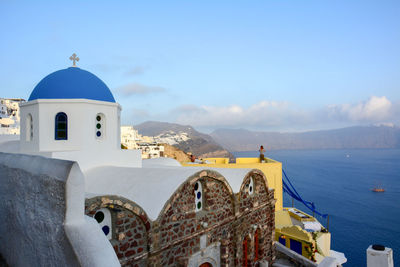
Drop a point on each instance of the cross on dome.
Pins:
(74, 58)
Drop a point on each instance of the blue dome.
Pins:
(72, 83)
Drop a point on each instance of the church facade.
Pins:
(148, 212)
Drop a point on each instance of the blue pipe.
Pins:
(291, 191)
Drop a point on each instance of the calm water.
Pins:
(340, 185)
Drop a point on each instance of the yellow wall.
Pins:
(218, 160)
(272, 170)
(324, 243)
(282, 219)
(296, 233)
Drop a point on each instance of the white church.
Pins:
(70, 196)
(71, 114)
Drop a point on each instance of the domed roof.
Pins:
(72, 83)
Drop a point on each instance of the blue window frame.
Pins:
(61, 126)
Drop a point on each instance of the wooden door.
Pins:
(256, 245)
(245, 252)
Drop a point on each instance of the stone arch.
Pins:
(207, 262)
(191, 180)
(179, 227)
(115, 202)
(209, 256)
(249, 174)
(247, 201)
(131, 238)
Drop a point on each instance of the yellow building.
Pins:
(294, 229)
(272, 170)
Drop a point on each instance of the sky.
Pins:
(260, 65)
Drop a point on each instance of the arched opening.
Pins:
(61, 126)
(206, 264)
(29, 127)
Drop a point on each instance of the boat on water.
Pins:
(378, 189)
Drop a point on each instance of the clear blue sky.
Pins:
(266, 65)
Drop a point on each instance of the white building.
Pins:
(129, 137)
(151, 150)
(9, 116)
(71, 114)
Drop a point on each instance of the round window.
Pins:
(106, 229)
(99, 216)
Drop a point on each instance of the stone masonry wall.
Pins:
(129, 228)
(225, 219)
(180, 226)
(258, 212)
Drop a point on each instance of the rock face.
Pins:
(183, 137)
(175, 153)
(346, 138)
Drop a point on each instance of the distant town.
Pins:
(150, 146)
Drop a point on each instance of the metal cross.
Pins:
(74, 58)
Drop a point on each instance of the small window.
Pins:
(103, 217)
(250, 186)
(198, 195)
(100, 126)
(29, 128)
(61, 126)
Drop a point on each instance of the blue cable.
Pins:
(294, 194)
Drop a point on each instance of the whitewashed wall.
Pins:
(42, 215)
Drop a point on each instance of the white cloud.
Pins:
(260, 115)
(139, 89)
(373, 110)
(273, 115)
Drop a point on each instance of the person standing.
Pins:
(262, 151)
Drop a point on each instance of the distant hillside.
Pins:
(352, 137)
(184, 137)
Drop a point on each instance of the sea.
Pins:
(339, 182)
